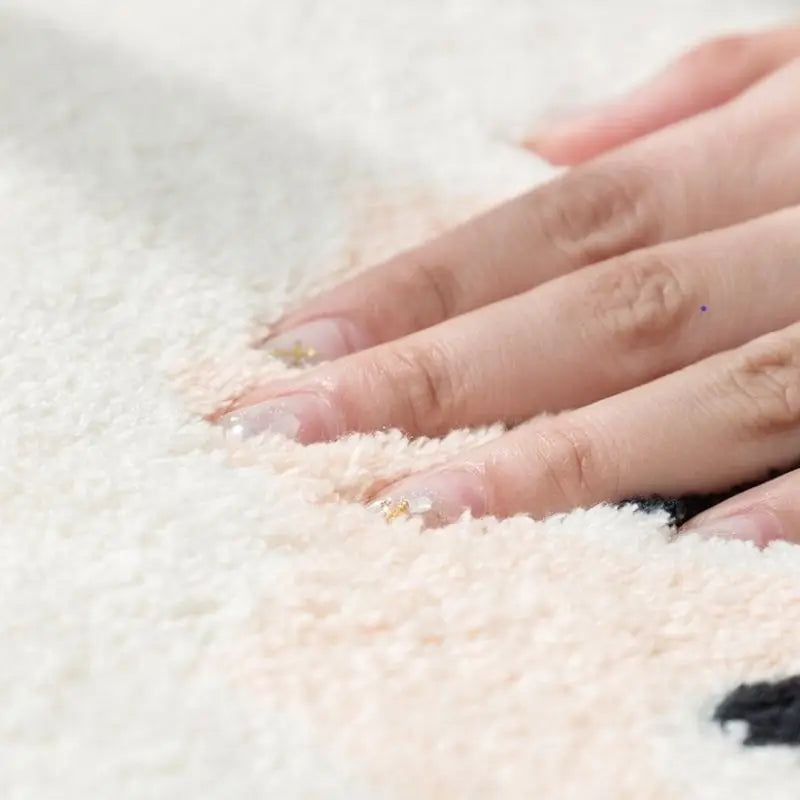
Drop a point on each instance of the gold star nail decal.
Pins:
(400, 509)
(297, 356)
(391, 510)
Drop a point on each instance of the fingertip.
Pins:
(576, 141)
(253, 394)
(551, 150)
(438, 497)
(759, 526)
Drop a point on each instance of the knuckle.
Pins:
(425, 386)
(765, 378)
(639, 302)
(569, 458)
(436, 290)
(598, 212)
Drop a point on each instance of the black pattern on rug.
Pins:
(771, 711)
(682, 509)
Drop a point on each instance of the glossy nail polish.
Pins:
(314, 342)
(304, 417)
(438, 498)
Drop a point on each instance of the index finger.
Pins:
(677, 182)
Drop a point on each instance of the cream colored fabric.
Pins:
(178, 620)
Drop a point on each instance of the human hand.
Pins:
(648, 299)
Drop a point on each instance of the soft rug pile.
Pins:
(181, 620)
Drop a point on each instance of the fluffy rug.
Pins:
(179, 619)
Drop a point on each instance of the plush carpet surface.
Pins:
(179, 619)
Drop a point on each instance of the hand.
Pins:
(648, 299)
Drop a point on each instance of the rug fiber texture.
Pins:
(182, 619)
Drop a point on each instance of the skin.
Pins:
(573, 314)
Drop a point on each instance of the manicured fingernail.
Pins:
(759, 527)
(303, 417)
(438, 498)
(315, 341)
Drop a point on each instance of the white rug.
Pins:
(177, 621)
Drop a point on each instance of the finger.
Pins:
(688, 179)
(713, 425)
(761, 515)
(702, 79)
(573, 341)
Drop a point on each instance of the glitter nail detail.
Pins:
(391, 510)
(297, 355)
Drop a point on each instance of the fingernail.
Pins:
(438, 498)
(759, 527)
(554, 123)
(303, 417)
(315, 341)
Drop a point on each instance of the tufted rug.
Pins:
(180, 619)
